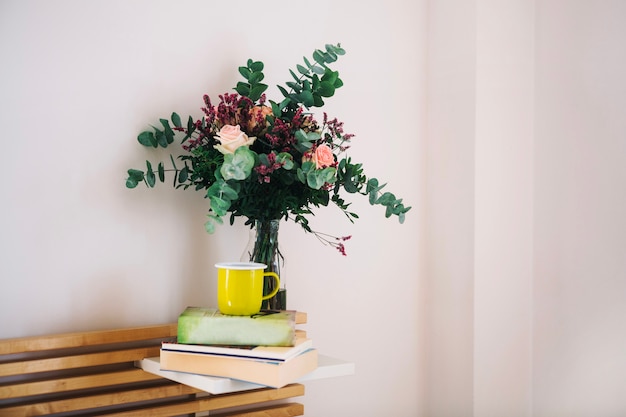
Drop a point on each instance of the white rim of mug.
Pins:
(240, 265)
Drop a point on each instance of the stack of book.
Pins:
(264, 349)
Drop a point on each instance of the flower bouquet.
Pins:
(267, 160)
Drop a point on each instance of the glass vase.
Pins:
(263, 248)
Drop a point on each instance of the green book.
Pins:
(207, 326)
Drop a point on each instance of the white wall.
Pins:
(80, 80)
(525, 233)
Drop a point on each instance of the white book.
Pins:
(277, 353)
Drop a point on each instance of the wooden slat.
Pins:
(218, 402)
(91, 367)
(280, 410)
(78, 361)
(80, 339)
(100, 400)
(75, 383)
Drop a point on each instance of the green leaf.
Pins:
(295, 77)
(318, 70)
(219, 205)
(255, 66)
(256, 91)
(191, 125)
(176, 120)
(386, 199)
(147, 139)
(183, 174)
(328, 174)
(315, 80)
(314, 179)
(243, 88)
(134, 177)
(318, 56)
(308, 166)
(286, 160)
(160, 137)
(330, 57)
(294, 86)
(283, 91)
(330, 48)
(339, 50)
(301, 176)
(229, 192)
(135, 174)
(209, 226)
(283, 104)
(150, 179)
(327, 89)
(256, 77)
(168, 132)
(245, 72)
(238, 166)
(302, 70)
(306, 97)
(161, 172)
(330, 76)
(372, 184)
(220, 194)
(350, 186)
(263, 159)
(301, 136)
(131, 183)
(313, 136)
(275, 107)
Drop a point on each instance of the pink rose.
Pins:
(231, 137)
(323, 157)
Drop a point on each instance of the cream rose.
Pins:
(323, 157)
(231, 137)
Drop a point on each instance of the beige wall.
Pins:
(580, 200)
(501, 122)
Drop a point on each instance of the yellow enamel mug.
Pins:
(240, 287)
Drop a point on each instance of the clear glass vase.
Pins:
(263, 247)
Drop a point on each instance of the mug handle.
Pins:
(273, 293)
